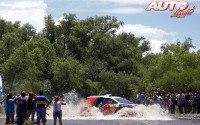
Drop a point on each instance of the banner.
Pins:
(1, 88)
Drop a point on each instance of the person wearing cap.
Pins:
(21, 108)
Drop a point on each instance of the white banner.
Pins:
(1, 87)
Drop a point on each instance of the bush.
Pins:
(28, 122)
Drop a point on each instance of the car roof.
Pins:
(104, 96)
(95, 96)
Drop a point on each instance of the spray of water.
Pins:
(141, 112)
(73, 107)
(77, 108)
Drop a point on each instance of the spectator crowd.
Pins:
(184, 102)
(28, 104)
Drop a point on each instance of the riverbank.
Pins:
(187, 116)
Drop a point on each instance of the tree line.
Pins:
(89, 57)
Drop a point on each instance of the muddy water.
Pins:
(73, 114)
(76, 108)
(140, 112)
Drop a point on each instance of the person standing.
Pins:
(181, 102)
(57, 112)
(198, 102)
(194, 102)
(41, 104)
(10, 109)
(31, 106)
(171, 105)
(140, 98)
(21, 110)
(187, 102)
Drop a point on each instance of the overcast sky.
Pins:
(157, 27)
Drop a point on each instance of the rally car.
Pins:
(109, 104)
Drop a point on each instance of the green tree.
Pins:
(30, 62)
(8, 44)
(120, 84)
(68, 74)
(49, 29)
(175, 67)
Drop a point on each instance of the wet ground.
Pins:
(141, 115)
(127, 122)
(121, 121)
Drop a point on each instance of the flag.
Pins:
(1, 87)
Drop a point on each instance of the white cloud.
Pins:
(194, 49)
(124, 10)
(31, 11)
(146, 31)
(57, 21)
(156, 36)
(156, 44)
(135, 2)
(141, 2)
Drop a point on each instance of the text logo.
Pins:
(180, 7)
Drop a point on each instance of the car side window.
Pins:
(110, 101)
(99, 102)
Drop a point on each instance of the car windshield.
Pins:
(122, 100)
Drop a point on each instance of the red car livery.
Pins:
(109, 104)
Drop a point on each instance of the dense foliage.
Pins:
(89, 57)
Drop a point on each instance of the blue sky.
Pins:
(157, 27)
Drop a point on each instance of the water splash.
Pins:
(77, 108)
(73, 106)
(141, 112)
